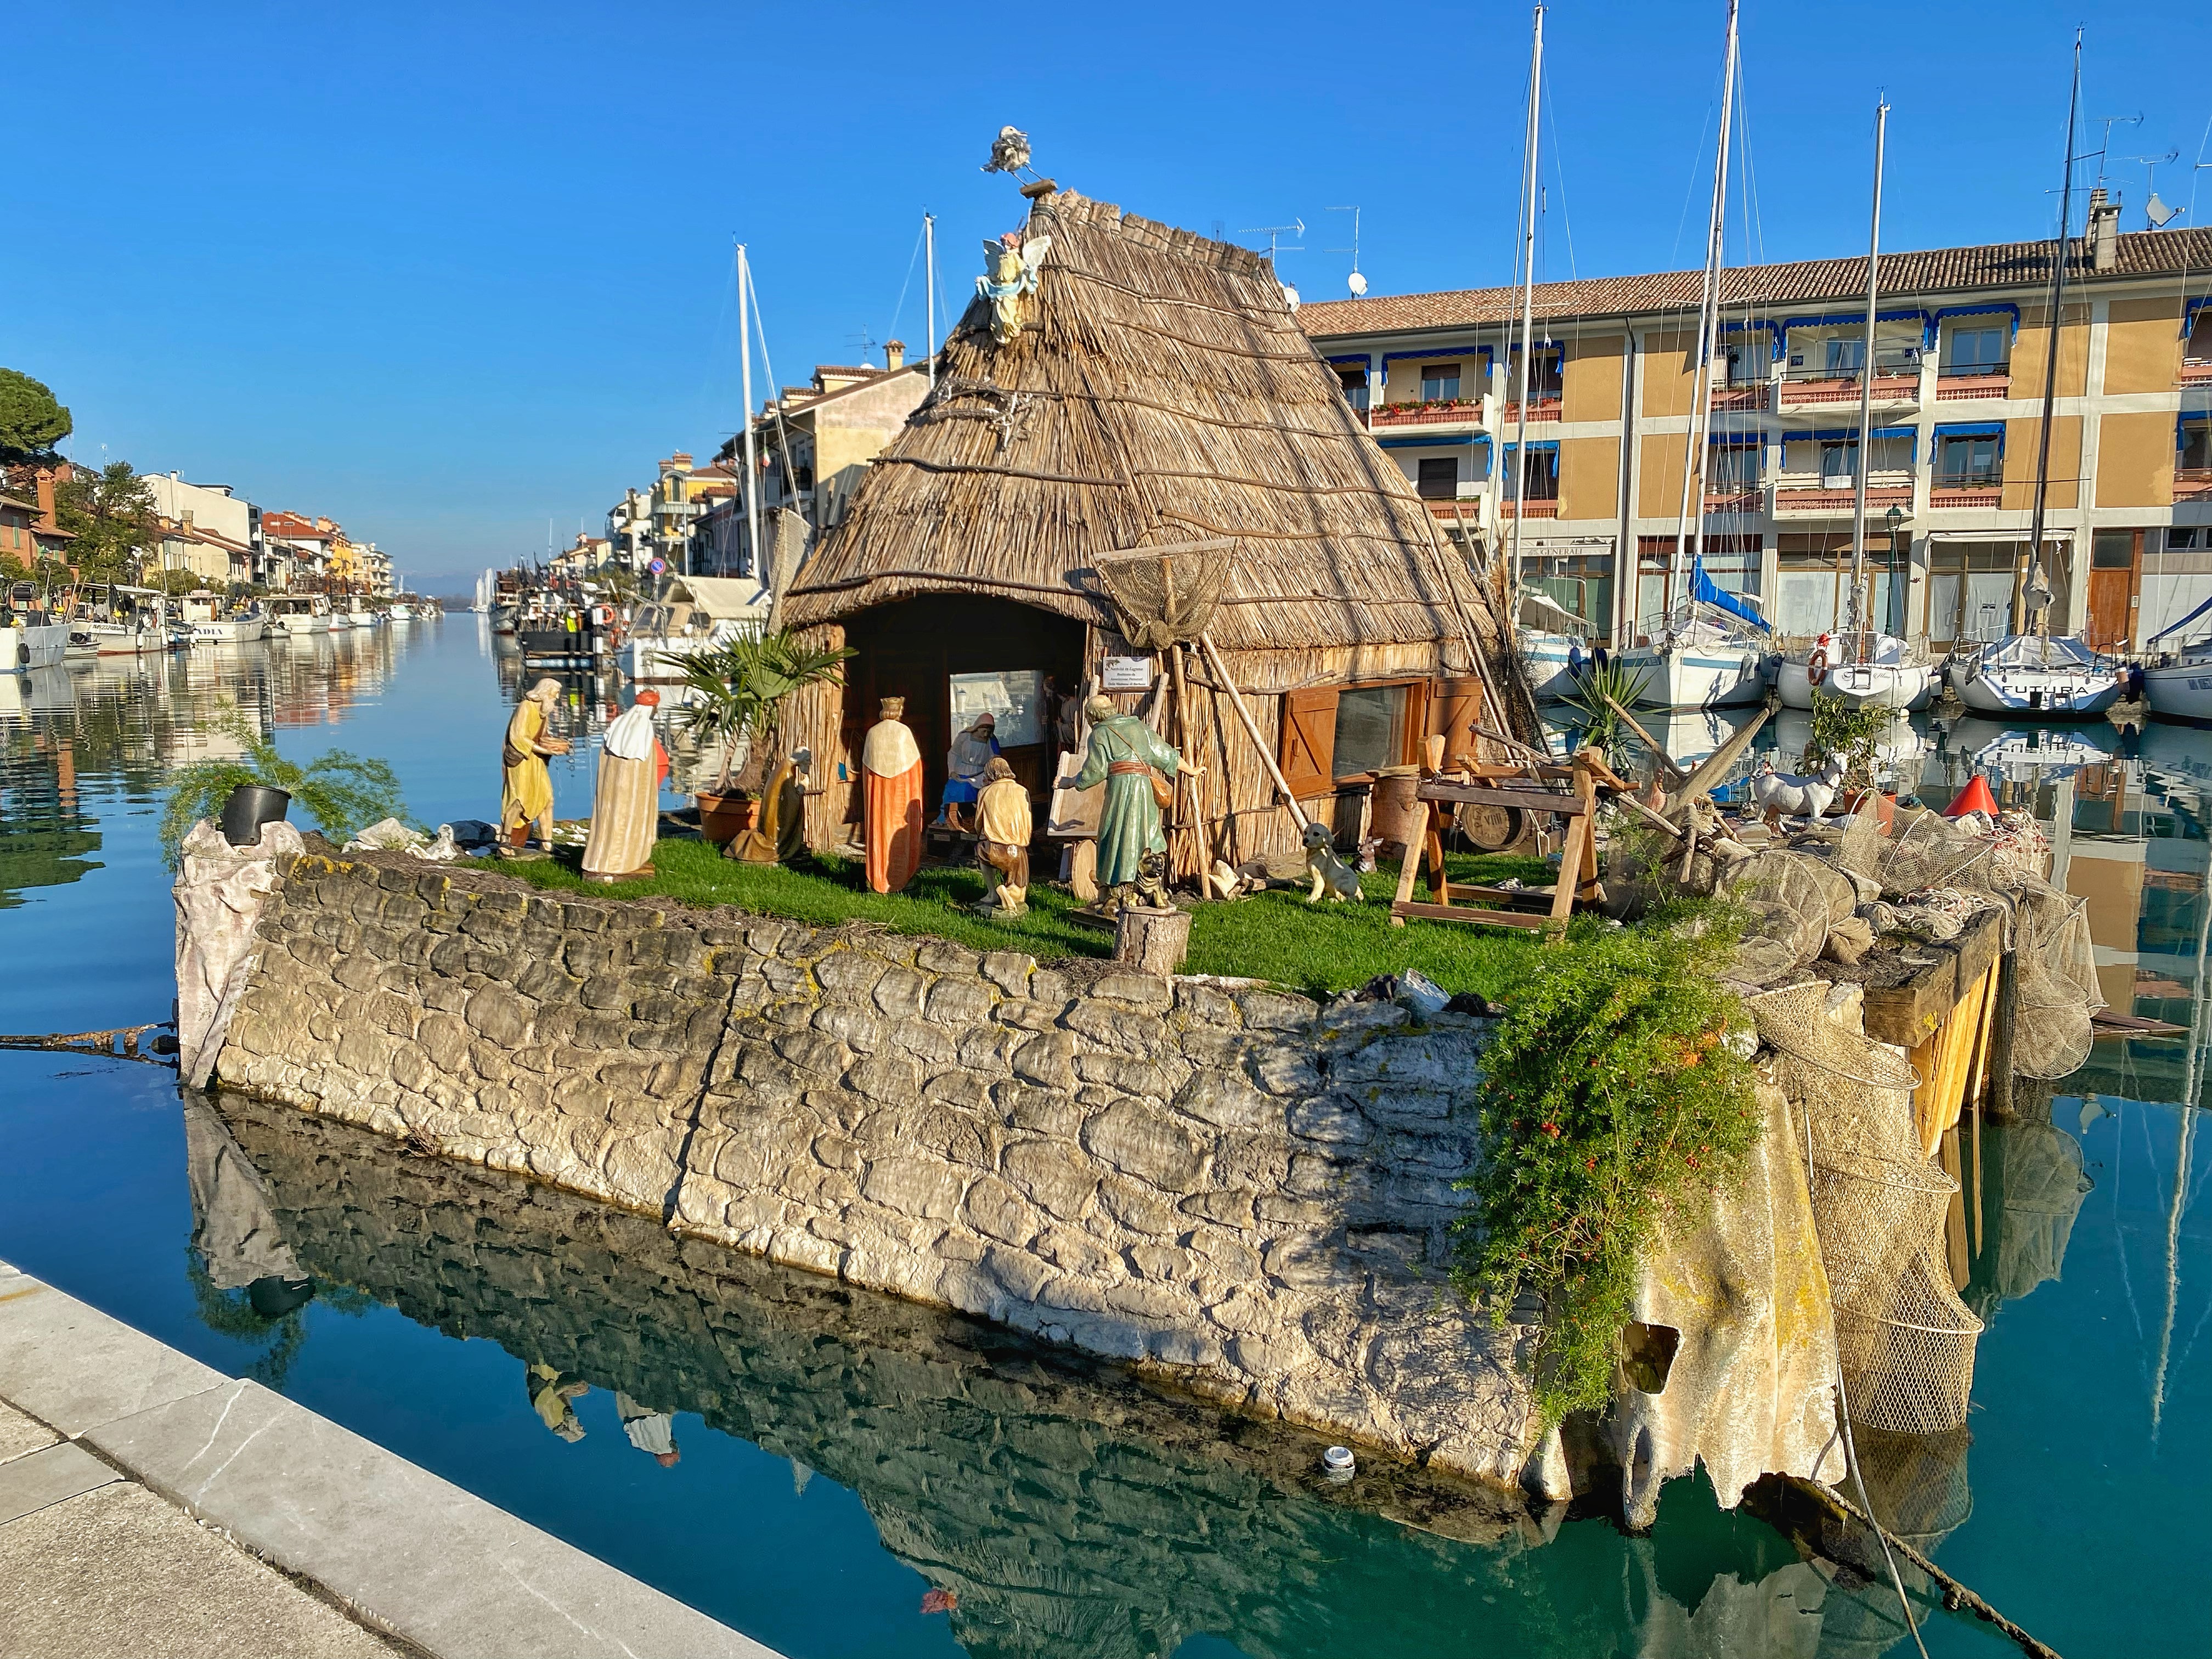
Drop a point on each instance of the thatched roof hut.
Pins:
(1160, 393)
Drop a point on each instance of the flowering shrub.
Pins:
(1610, 1101)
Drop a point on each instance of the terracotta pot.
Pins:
(723, 818)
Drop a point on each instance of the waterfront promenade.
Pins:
(149, 1505)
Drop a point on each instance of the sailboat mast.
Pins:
(1528, 184)
(751, 485)
(1866, 392)
(1691, 523)
(929, 293)
(2050, 354)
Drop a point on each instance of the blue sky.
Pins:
(445, 272)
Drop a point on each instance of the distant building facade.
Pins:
(1957, 383)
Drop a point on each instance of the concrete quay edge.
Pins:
(408, 1552)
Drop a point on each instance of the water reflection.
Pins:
(1064, 1509)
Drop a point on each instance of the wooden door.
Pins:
(2112, 592)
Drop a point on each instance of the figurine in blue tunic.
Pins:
(1122, 754)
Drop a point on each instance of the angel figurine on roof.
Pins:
(1010, 274)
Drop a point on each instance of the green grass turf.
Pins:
(1274, 935)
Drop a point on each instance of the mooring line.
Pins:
(98, 1042)
(1953, 1591)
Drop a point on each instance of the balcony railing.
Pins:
(1442, 411)
(1541, 408)
(1983, 487)
(1894, 383)
(1736, 498)
(2192, 484)
(1741, 394)
(2195, 370)
(1510, 508)
(1807, 495)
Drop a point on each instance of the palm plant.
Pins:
(1600, 695)
(343, 791)
(736, 691)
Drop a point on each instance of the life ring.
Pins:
(1816, 667)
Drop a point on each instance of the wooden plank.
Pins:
(1538, 800)
(1480, 918)
(1409, 867)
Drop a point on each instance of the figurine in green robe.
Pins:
(1122, 754)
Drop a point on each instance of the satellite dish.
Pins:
(1358, 284)
(2157, 212)
(1290, 296)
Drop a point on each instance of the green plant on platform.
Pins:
(342, 792)
(1847, 734)
(1610, 1101)
(1599, 722)
(736, 690)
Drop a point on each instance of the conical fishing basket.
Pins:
(1167, 595)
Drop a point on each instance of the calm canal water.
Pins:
(837, 1458)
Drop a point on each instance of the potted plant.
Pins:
(1850, 735)
(735, 693)
(343, 791)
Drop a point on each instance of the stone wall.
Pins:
(1232, 1188)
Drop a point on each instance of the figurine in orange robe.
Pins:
(890, 772)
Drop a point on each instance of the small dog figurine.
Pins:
(1779, 793)
(1330, 873)
(1151, 884)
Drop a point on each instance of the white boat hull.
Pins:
(1861, 685)
(361, 618)
(230, 630)
(2038, 693)
(303, 624)
(114, 639)
(1546, 659)
(2180, 692)
(655, 659)
(26, 645)
(1689, 677)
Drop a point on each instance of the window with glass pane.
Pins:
(1539, 474)
(1544, 373)
(1370, 722)
(1439, 382)
(1354, 382)
(2199, 349)
(2196, 446)
(1437, 477)
(1970, 460)
(1976, 351)
(1845, 355)
(2112, 550)
(1734, 468)
(1839, 464)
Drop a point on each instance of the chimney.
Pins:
(2103, 231)
(894, 355)
(188, 517)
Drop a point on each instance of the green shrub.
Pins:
(1609, 1102)
(342, 791)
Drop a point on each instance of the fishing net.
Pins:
(1167, 595)
(2056, 966)
(1904, 1341)
(1916, 1482)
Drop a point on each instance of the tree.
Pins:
(111, 513)
(31, 422)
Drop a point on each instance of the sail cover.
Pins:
(1705, 591)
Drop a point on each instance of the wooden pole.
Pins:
(1198, 836)
(1651, 743)
(1251, 729)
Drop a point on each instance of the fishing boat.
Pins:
(300, 614)
(31, 637)
(208, 625)
(400, 610)
(112, 620)
(361, 618)
(694, 615)
(2037, 677)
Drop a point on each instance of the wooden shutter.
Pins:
(1308, 741)
(1458, 707)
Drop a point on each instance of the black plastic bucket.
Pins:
(250, 807)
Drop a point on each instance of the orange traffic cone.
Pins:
(1974, 797)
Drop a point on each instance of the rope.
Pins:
(95, 1043)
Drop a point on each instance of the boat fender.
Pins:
(1816, 666)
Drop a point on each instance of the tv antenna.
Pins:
(866, 339)
(2108, 122)
(1295, 228)
(1357, 281)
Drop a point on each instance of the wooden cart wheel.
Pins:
(1491, 829)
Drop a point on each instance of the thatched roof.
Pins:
(1162, 392)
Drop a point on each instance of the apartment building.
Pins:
(212, 510)
(1962, 339)
(298, 550)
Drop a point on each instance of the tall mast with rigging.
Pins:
(1865, 392)
(929, 291)
(1691, 521)
(1529, 175)
(2058, 255)
(750, 485)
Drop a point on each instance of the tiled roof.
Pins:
(1801, 283)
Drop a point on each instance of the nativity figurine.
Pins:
(626, 801)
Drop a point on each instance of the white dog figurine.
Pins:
(1779, 793)
(1330, 873)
